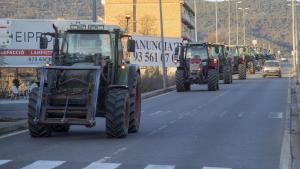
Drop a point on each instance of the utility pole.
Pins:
(296, 41)
(237, 22)
(162, 46)
(196, 26)
(295, 63)
(229, 22)
(244, 23)
(94, 16)
(134, 15)
(216, 10)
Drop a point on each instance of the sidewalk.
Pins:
(295, 125)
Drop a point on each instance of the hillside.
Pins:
(268, 21)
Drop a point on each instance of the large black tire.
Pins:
(252, 67)
(60, 128)
(180, 81)
(227, 74)
(117, 113)
(135, 105)
(36, 129)
(213, 80)
(242, 72)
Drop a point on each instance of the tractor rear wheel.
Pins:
(252, 67)
(213, 80)
(36, 129)
(135, 105)
(227, 74)
(242, 72)
(180, 81)
(117, 113)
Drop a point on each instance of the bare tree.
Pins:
(147, 25)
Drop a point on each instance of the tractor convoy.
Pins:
(90, 77)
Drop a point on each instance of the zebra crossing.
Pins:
(46, 164)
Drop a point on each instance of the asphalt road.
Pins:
(239, 127)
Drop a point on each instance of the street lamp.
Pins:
(127, 17)
(163, 46)
(195, 21)
(237, 21)
(216, 10)
(244, 23)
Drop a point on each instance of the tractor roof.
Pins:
(92, 27)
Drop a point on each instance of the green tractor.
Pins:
(237, 55)
(88, 78)
(250, 59)
(225, 69)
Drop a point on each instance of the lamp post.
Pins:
(94, 18)
(244, 23)
(127, 17)
(195, 21)
(237, 22)
(162, 46)
(216, 10)
(229, 22)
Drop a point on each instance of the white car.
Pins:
(272, 68)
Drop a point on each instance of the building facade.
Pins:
(143, 17)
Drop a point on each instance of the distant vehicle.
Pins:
(237, 55)
(272, 68)
(284, 59)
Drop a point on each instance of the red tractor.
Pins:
(198, 64)
(237, 55)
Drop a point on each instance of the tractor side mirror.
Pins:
(131, 45)
(43, 42)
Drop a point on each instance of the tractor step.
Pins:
(70, 121)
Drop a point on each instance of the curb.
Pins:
(22, 124)
(13, 126)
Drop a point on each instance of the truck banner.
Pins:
(148, 51)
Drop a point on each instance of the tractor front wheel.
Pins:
(180, 81)
(227, 74)
(117, 113)
(213, 80)
(36, 129)
(242, 72)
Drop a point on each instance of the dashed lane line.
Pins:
(42, 164)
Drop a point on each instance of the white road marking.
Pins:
(241, 114)
(153, 132)
(214, 168)
(275, 115)
(223, 113)
(42, 164)
(97, 165)
(102, 160)
(163, 127)
(160, 167)
(172, 122)
(159, 112)
(120, 150)
(4, 161)
(12, 134)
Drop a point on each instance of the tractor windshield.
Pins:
(82, 47)
(197, 51)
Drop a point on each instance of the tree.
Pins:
(147, 25)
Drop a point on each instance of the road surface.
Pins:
(239, 127)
